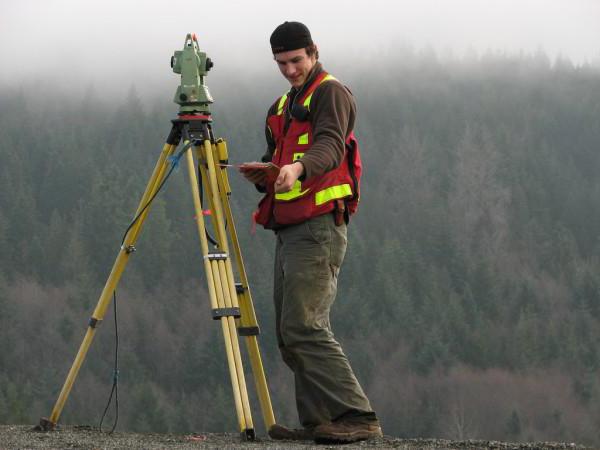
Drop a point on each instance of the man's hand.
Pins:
(287, 176)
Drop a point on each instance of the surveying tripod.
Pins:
(231, 302)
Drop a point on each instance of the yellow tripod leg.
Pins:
(210, 175)
(248, 320)
(220, 298)
(111, 284)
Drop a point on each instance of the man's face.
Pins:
(295, 65)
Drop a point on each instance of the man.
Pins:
(309, 136)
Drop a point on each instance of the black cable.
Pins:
(115, 386)
(212, 240)
(173, 165)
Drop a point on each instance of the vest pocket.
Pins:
(264, 214)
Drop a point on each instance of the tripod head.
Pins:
(192, 95)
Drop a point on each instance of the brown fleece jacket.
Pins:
(332, 115)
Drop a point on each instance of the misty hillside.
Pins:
(469, 302)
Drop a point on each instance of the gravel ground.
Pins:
(84, 437)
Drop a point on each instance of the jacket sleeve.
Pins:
(332, 116)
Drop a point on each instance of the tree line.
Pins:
(469, 301)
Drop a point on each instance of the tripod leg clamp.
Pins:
(216, 256)
(248, 331)
(217, 313)
(94, 323)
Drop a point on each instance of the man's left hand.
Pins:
(288, 175)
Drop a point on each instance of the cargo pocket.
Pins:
(319, 229)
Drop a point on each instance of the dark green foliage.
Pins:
(469, 302)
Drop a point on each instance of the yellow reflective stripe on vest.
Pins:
(307, 101)
(325, 78)
(280, 104)
(294, 193)
(332, 193)
(296, 189)
(303, 139)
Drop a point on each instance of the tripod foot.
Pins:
(44, 425)
(248, 434)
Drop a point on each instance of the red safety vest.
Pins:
(318, 195)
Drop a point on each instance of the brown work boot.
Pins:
(346, 431)
(279, 432)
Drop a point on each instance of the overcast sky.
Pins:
(120, 42)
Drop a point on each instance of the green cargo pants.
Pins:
(307, 261)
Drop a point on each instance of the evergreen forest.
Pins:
(469, 300)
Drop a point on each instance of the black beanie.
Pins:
(290, 36)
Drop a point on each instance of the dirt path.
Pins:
(21, 436)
